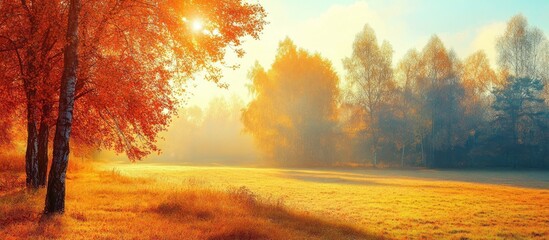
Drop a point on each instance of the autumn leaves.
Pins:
(130, 61)
(293, 115)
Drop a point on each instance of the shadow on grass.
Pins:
(537, 179)
(331, 178)
(49, 226)
(240, 214)
(191, 212)
(315, 226)
(21, 213)
(346, 178)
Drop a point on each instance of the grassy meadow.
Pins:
(106, 204)
(405, 204)
(155, 201)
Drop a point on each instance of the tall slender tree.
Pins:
(55, 196)
(438, 69)
(370, 77)
(408, 73)
(522, 49)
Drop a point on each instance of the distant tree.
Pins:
(394, 127)
(410, 72)
(450, 133)
(523, 56)
(518, 111)
(293, 114)
(351, 126)
(436, 61)
(437, 65)
(370, 78)
(523, 49)
(478, 79)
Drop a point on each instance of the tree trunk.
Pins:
(43, 138)
(375, 158)
(432, 159)
(31, 162)
(29, 86)
(373, 130)
(423, 153)
(402, 156)
(55, 196)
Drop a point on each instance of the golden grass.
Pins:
(148, 201)
(12, 169)
(106, 204)
(389, 206)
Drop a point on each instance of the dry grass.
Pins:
(12, 169)
(106, 204)
(146, 201)
(388, 205)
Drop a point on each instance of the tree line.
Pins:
(432, 109)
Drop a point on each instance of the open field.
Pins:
(393, 203)
(143, 201)
(108, 205)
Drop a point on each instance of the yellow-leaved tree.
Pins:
(293, 115)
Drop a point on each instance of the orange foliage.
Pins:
(30, 53)
(477, 78)
(370, 80)
(409, 70)
(134, 58)
(293, 114)
(477, 75)
(436, 61)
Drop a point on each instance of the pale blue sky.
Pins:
(434, 15)
(329, 27)
(454, 15)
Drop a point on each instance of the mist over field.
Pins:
(210, 135)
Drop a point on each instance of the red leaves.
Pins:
(134, 57)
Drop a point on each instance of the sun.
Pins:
(197, 25)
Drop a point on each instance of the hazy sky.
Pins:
(329, 27)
